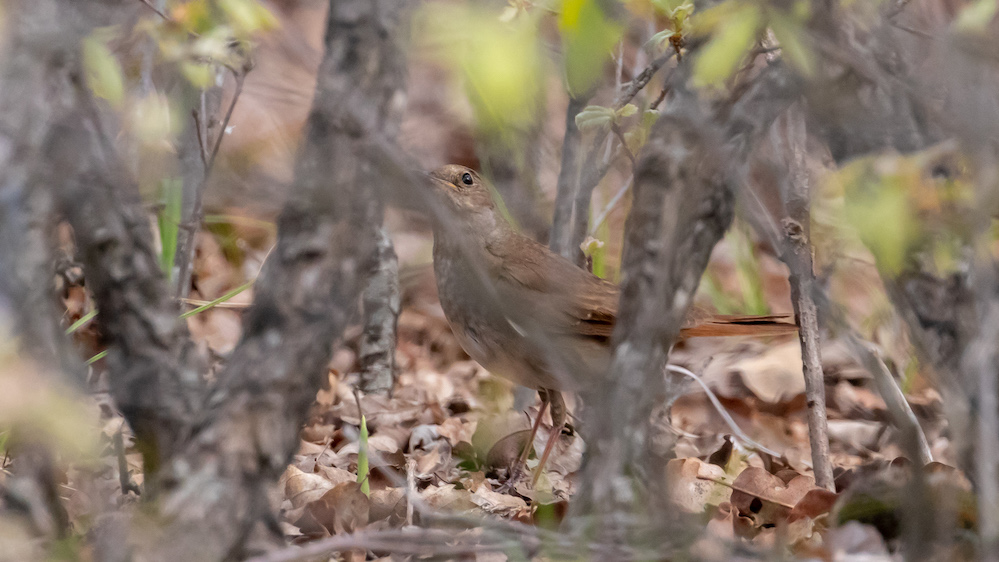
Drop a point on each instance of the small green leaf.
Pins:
(660, 41)
(627, 111)
(200, 75)
(103, 71)
(153, 122)
(594, 116)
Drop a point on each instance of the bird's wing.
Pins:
(553, 291)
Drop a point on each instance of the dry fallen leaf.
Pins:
(302, 488)
(500, 504)
(766, 498)
(342, 509)
(694, 485)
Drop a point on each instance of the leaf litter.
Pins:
(444, 441)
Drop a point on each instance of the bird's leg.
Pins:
(518, 469)
(557, 406)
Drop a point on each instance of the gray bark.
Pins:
(306, 294)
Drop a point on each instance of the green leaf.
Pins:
(200, 75)
(660, 41)
(172, 195)
(720, 58)
(588, 36)
(594, 116)
(102, 70)
(362, 459)
(153, 122)
(627, 111)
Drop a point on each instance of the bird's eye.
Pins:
(466, 178)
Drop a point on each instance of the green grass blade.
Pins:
(81, 322)
(219, 300)
(362, 459)
(172, 194)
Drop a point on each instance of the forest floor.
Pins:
(441, 443)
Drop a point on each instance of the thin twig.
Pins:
(411, 542)
(202, 149)
(123, 478)
(240, 78)
(191, 224)
(624, 144)
(913, 437)
(594, 169)
(610, 205)
(736, 430)
(642, 80)
(158, 12)
(560, 238)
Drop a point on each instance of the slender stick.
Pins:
(790, 139)
(560, 240)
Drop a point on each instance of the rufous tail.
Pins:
(723, 325)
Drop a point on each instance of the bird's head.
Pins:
(463, 189)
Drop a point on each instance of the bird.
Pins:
(528, 314)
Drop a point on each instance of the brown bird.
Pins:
(528, 314)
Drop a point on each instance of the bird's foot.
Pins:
(517, 473)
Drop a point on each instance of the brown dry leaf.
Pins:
(765, 497)
(388, 503)
(213, 274)
(319, 433)
(302, 488)
(456, 430)
(775, 375)
(693, 484)
(400, 434)
(716, 543)
(429, 462)
(423, 436)
(342, 509)
(307, 448)
(858, 434)
(377, 443)
(816, 502)
(438, 386)
(447, 498)
(856, 402)
(500, 504)
(335, 475)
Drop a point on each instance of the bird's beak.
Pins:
(438, 180)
